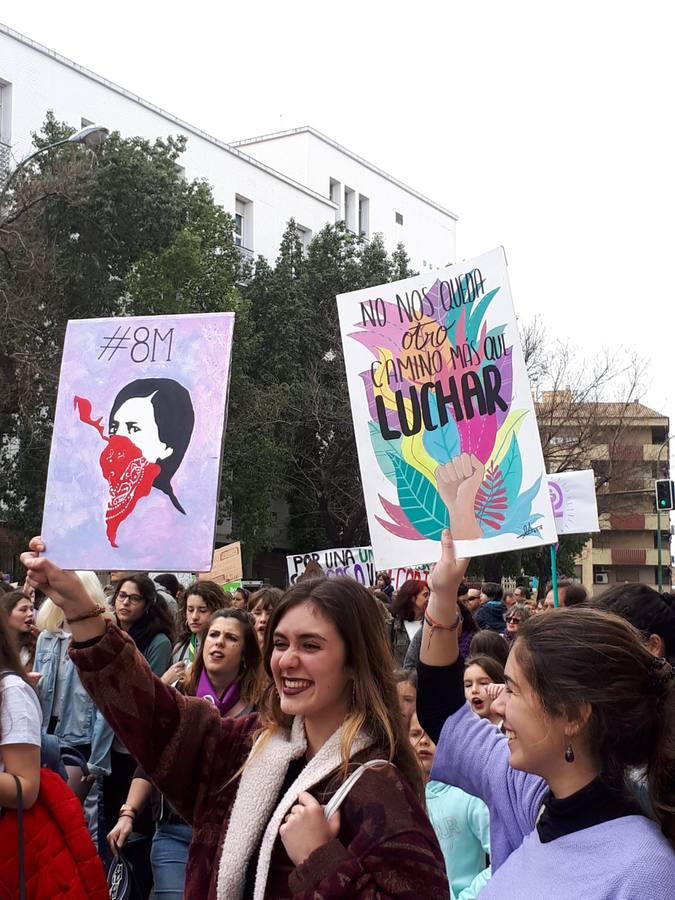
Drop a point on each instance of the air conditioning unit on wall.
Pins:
(601, 578)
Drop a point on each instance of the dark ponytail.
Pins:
(577, 657)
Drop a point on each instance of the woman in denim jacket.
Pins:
(68, 712)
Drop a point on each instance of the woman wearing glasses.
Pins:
(145, 617)
(515, 617)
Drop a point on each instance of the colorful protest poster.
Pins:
(134, 468)
(443, 415)
(575, 507)
(226, 566)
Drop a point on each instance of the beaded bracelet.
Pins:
(433, 625)
(97, 610)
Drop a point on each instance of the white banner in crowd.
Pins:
(575, 508)
(443, 415)
(353, 562)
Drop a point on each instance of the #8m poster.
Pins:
(134, 468)
(443, 415)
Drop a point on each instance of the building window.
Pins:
(305, 236)
(399, 218)
(350, 209)
(364, 216)
(5, 127)
(243, 224)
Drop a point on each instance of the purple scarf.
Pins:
(229, 699)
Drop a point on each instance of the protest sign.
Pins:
(353, 562)
(574, 503)
(227, 565)
(443, 415)
(134, 468)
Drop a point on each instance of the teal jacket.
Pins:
(462, 826)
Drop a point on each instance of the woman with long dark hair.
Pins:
(407, 608)
(227, 672)
(260, 826)
(201, 600)
(585, 702)
(21, 623)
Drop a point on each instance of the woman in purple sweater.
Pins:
(585, 702)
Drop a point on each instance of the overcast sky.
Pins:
(547, 128)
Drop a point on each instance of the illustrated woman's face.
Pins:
(129, 605)
(423, 746)
(475, 680)
(21, 617)
(223, 647)
(196, 613)
(308, 666)
(135, 419)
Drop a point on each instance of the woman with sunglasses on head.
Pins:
(254, 787)
(584, 702)
(227, 672)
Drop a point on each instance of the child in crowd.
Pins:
(406, 685)
(479, 672)
(461, 823)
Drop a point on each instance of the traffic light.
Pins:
(665, 495)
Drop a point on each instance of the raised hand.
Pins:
(458, 482)
(64, 588)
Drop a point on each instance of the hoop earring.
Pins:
(569, 754)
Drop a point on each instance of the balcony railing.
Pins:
(5, 160)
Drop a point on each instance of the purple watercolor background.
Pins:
(155, 536)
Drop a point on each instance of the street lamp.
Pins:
(91, 136)
(658, 517)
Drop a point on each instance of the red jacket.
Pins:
(60, 857)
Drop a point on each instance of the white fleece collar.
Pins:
(253, 810)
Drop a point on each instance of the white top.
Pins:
(20, 714)
(412, 628)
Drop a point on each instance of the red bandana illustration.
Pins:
(129, 474)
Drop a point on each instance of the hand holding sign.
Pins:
(458, 482)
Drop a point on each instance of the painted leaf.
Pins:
(442, 444)
(520, 514)
(491, 500)
(512, 470)
(383, 451)
(420, 501)
(399, 525)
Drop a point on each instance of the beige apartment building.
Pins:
(622, 443)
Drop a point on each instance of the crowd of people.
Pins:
(436, 739)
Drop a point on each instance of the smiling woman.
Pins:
(254, 787)
(585, 703)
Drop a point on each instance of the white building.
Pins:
(263, 181)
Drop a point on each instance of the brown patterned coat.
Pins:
(386, 847)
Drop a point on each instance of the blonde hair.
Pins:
(50, 617)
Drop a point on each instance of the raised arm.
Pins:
(171, 736)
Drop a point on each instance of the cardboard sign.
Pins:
(134, 468)
(573, 500)
(443, 415)
(227, 565)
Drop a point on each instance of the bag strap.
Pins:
(340, 795)
(19, 819)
